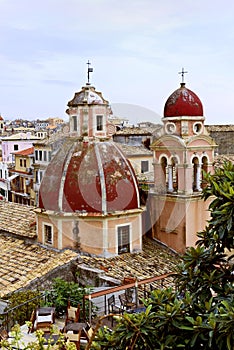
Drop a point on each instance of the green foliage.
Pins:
(62, 291)
(133, 331)
(220, 231)
(202, 272)
(28, 300)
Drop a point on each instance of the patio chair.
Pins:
(74, 338)
(86, 335)
(129, 298)
(44, 319)
(125, 304)
(113, 308)
(43, 323)
(32, 321)
(73, 313)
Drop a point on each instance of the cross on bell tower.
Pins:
(183, 72)
(89, 71)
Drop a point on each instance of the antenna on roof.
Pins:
(182, 74)
(89, 71)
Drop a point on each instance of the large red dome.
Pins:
(89, 177)
(183, 102)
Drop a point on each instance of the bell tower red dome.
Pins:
(183, 102)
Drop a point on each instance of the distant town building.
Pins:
(41, 124)
(55, 121)
(44, 150)
(21, 177)
(10, 145)
(16, 142)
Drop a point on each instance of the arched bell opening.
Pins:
(204, 167)
(164, 166)
(196, 175)
(173, 175)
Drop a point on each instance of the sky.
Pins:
(136, 48)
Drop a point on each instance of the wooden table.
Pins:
(75, 327)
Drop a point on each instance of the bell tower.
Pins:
(89, 113)
(181, 154)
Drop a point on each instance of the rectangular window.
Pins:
(123, 239)
(144, 166)
(25, 163)
(48, 234)
(36, 155)
(40, 155)
(16, 147)
(21, 162)
(45, 156)
(99, 122)
(74, 123)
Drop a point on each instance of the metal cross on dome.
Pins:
(89, 69)
(182, 74)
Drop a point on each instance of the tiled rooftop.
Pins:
(137, 131)
(22, 263)
(134, 150)
(17, 219)
(220, 159)
(25, 152)
(154, 260)
(213, 128)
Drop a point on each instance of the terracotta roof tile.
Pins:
(213, 128)
(22, 263)
(25, 152)
(134, 150)
(17, 219)
(220, 159)
(154, 260)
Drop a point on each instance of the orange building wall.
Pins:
(95, 235)
(176, 220)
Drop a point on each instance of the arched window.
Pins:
(174, 164)
(196, 175)
(204, 170)
(165, 170)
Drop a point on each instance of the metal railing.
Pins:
(96, 302)
(141, 290)
(11, 316)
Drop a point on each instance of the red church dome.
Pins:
(89, 177)
(183, 102)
